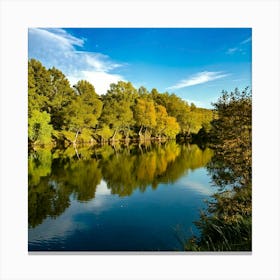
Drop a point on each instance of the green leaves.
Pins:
(84, 109)
(117, 109)
(227, 224)
(231, 133)
(145, 113)
(39, 129)
(123, 112)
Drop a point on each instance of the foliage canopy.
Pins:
(79, 114)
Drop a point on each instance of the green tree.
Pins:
(232, 138)
(117, 109)
(143, 92)
(84, 110)
(123, 112)
(227, 223)
(60, 95)
(39, 128)
(39, 85)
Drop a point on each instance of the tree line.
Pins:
(60, 113)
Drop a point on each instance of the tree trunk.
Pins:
(140, 130)
(75, 143)
(140, 133)
(188, 132)
(140, 148)
(114, 135)
(145, 134)
(76, 136)
(127, 136)
(77, 153)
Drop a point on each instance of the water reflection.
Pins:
(60, 177)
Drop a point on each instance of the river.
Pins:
(116, 198)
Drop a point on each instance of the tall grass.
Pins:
(227, 224)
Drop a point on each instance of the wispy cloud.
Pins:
(246, 41)
(240, 47)
(199, 78)
(198, 187)
(60, 36)
(232, 50)
(56, 47)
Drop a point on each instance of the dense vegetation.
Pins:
(227, 223)
(61, 114)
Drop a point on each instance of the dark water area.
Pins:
(121, 198)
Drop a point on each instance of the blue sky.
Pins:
(194, 63)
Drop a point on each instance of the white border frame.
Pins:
(17, 16)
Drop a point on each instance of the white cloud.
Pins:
(56, 47)
(100, 62)
(246, 41)
(199, 187)
(66, 223)
(239, 48)
(232, 50)
(199, 78)
(102, 189)
(100, 80)
(58, 36)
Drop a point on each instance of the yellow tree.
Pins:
(144, 115)
(172, 127)
(165, 125)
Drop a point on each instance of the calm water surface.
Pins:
(135, 198)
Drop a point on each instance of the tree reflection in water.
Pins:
(55, 176)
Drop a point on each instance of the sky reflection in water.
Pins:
(144, 215)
